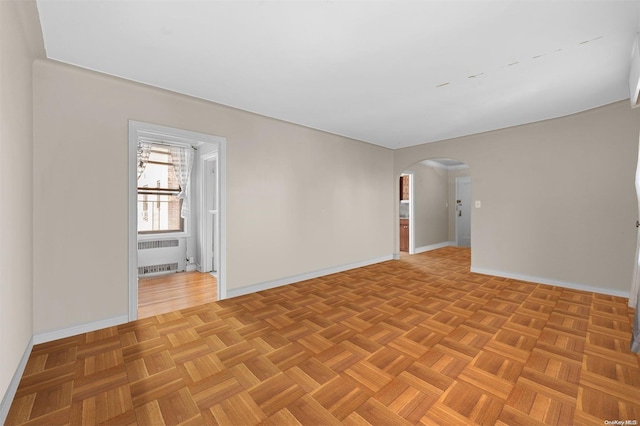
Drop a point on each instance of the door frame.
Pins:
(412, 244)
(137, 129)
(412, 216)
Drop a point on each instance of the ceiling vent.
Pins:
(634, 74)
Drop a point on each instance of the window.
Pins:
(158, 187)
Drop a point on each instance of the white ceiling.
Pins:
(392, 73)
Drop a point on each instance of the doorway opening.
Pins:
(406, 212)
(430, 208)
(193, 241)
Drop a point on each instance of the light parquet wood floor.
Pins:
(172, 292)
(415, 341)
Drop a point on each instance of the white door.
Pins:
(463, 211)
(210, 213)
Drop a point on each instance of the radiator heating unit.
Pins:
(161, 256)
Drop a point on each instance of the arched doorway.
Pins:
(434, 207)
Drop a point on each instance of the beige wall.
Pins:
(299, 200)
(20, 43)
(430, 221)
(558, 196)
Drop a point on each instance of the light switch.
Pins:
(478, 204)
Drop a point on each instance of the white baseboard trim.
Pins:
(546, 281)
(432, 247)
(7, 399)
(302, 277)
(48, 336)
(191, 268)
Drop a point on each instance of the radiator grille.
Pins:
(154, 244)
(152, 269)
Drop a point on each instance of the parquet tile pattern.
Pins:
(416, 341)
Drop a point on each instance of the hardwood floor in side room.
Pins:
(172, 292)
(417, 341)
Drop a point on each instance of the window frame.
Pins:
(148, 192)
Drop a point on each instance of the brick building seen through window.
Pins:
(158, 187)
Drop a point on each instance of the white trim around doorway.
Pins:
(137, 129)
